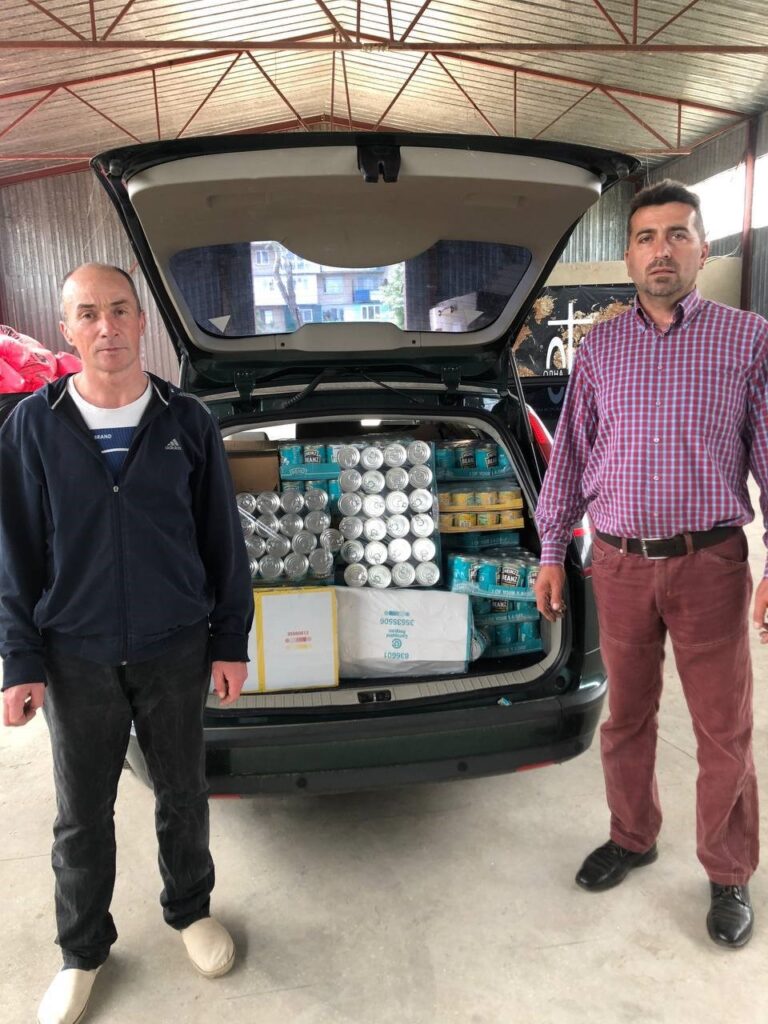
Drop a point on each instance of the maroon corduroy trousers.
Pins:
(702, 601)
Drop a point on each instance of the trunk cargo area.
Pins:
(393, 559)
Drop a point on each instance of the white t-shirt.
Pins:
(112, 429)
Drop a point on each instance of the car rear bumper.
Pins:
(428, 745)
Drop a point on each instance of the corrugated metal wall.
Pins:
(50, 226)
(600, 234)
(718, 155)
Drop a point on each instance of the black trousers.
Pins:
(89, 709)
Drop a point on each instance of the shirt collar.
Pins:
(685, 310)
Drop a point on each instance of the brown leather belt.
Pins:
(669, 547)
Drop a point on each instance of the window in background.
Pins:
(722, 202)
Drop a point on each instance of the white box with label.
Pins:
(293, 642)
(404, 632)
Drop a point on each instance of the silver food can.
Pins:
(255, 546)
(420, 476)
(277, 545)
(379, 576)
(423, 549)
(350, 503)
(271, 567)
(427, 574)
(398, 550)
(396, 478)
(373, 481)
(398, 526)
(294, 485)
(253, 567)
(247, 522)
(403, 574)
(267, 525)
(374, 506)
(317, 522)
(422, 525)
(375, 553)
(290, 524)
(372, 457)
(347, 456)
(374, 529)
(320, 563)
(395, 455)
(246, 501)
(350, 479)
(396, 502)
(421, 500)
(418, 453)
(351, 527)
(304, 542)
(296, 566)
(315, 499)
(331, 540)
(268, 501)
(355, 575)
(352, 551)
(292, 501)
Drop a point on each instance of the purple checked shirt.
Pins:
(660, 429)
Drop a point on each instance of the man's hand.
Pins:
(21, 703)
(761, 607)
(549, 592)
(228, 679)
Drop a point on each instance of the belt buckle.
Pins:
(644, 549)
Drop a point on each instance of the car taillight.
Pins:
(541, 436)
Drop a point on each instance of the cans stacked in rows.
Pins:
(504, 623)
(288, 535)
(387, 515)
(494, 570)
(487, 506)
(475, 455)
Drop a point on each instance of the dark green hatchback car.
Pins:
(319, 285)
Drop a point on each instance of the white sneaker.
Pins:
(209, 946)
(66, 1000)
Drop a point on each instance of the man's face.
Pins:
(102, 320)
(665, 253)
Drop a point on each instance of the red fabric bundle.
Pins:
(26, 366)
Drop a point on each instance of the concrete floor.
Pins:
(423, 905)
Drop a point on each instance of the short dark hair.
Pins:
(101, 266)
(666, 191)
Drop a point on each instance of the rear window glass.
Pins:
(252, 288)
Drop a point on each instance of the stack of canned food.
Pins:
(505, 573)
(288, 536)
(505, 626)
(490, 506)
(471, 458)
(387, 520)
(493, 641)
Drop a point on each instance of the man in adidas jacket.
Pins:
(124, 585)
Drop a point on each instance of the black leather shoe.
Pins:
(610, 864)
(730, 918)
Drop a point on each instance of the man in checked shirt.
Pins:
(665, 415)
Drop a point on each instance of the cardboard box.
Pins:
(405, 632)
(254, 471)
(293, 643)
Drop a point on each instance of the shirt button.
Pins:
(656, 440)
(655, 478)
(115, 488)
(123, 663)
(658, 403)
